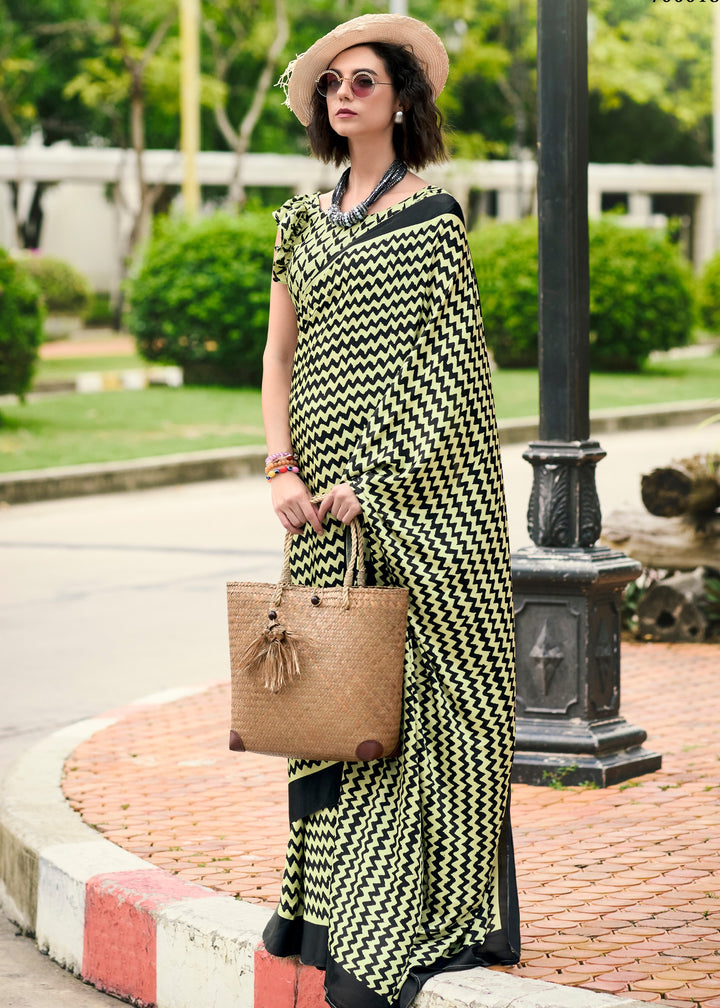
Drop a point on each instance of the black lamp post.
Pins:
(567, 590)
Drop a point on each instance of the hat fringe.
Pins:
(284, 80)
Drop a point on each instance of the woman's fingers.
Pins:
(288, 524)
(310, 513)
(293, 505)
(295, 509)
(326, 504)
(342, 503)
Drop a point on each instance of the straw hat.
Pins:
(397, 29)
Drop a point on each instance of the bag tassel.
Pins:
(275, 655)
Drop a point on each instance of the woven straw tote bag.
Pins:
(317, 673)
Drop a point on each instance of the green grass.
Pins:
(516, 392)
(111, 426)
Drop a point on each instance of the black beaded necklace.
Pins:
(395, 173)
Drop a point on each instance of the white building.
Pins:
(85, 225)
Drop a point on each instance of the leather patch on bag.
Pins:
(369, 749)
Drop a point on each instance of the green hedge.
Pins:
(65, 291)
(21, 321)
(709, 294)
(200, 296)
(506, 262)
(642, 293)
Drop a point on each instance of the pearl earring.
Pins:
(399, 117)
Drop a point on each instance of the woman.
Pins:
(376, 393)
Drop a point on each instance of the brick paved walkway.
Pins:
(619, 888)
(89, 343)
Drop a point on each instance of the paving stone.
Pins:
(616, 885)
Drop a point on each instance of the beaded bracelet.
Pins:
(280, 455)
(272, 473)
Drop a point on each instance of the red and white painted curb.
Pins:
(144, 935)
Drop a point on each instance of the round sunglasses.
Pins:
(362, 84)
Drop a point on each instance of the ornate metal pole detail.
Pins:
(564, 509)
(567, 590)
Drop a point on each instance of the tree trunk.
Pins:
(239, 140)
(671, 610)
(665, 543)
(688, 487)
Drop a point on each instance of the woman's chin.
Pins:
(341, 126)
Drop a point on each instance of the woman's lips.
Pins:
(344, 114)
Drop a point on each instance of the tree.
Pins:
(35, 63)
(650, 77)
(108, 69)
(135, 84)
(490, 96)
(138, 62)
(40, 46)
(17, 62)
(231, 30)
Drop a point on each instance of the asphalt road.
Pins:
(107, 599)
(29, 979)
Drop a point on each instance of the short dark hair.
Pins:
(418, 140)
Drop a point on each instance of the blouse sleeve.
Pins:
(292, 219)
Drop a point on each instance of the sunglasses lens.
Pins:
(362, 85)
(328, 83)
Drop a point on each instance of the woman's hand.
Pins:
(342, 503)
(292, 504)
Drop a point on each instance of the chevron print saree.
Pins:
(401, 868)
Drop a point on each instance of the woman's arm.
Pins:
(290, 496)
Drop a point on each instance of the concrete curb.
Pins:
(137, 474)
(120, 923)
(131, 379)
(144, 935)
(230, 463)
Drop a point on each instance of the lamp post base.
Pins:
(567, 618)
(551, 770)
(555, 768)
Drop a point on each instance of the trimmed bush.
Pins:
(505, 257)
(64, 289)
(21, 319)
(642, 296)
(101, 311)
(641, 293)
(710, 294)
(200, 297)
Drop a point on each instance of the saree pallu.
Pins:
(398, 869)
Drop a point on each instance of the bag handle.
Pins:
(355, 566)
